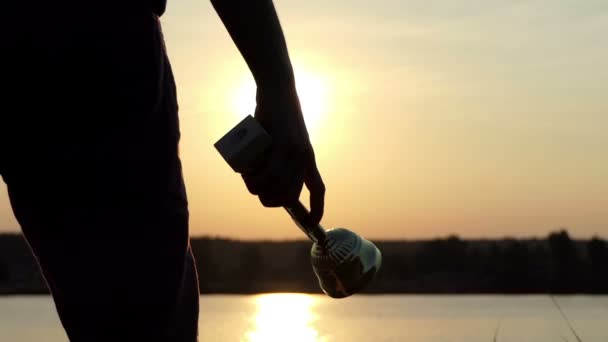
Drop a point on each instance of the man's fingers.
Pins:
(261, 178)
(294, 188)
(253, 181)
(316, 187)
(286, 187)
(278, 182)
(287, 193)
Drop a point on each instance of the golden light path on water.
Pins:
(284, 317)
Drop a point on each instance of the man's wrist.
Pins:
(281, 82)
(279, 87)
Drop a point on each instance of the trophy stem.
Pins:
(300, 214)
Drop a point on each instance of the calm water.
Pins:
(306, 318)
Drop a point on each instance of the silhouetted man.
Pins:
(88, 149)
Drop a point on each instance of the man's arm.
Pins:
(255, 29)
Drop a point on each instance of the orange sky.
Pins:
(478, 118)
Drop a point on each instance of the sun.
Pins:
(312, 92)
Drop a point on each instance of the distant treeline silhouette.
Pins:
(556, 264)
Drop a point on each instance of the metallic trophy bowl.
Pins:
(342, 260)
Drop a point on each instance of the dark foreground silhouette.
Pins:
(556, 264)
(89, 136)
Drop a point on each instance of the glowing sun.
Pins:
(312, 91)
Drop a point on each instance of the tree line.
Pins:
(555, 264)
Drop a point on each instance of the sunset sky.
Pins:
(478, 118)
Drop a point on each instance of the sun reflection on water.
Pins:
(284, 317)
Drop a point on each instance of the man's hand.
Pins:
(254, 27)
(290, 161)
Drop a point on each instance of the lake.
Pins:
(379, 318)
